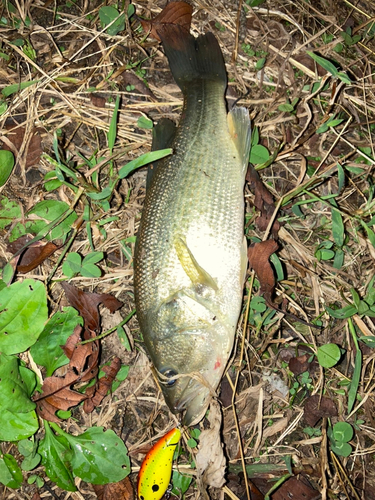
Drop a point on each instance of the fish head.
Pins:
(190, 354)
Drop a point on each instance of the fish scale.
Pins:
(189, 260)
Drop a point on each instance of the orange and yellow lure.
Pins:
(156, 469)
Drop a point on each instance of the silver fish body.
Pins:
(190, 257)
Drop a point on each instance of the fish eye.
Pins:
(169, 374)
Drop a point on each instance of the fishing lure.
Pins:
(156, 469)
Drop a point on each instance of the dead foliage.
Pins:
(176, 13)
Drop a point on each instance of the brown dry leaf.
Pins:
(56, 391)
(97, 100)
(317, 407)
(15, 138)
(97, 392)
(130, 78)
(258, 255)
(296, 489)
(300, 364)
(33, 255)
(177, 13)
(114, 491)
(87, 304)
(263, 201)
(210, 458)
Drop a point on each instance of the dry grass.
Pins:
(263, 422)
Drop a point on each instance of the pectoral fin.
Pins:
(240, 129)
(196, 273)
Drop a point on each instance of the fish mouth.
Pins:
(194, 401)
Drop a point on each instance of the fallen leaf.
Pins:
(210, 460)
(114, 491)
(14, 139)
(296, 489)
(33, 255)
(95, 394)
(57, 393)
(299, 364)
(263, 201)
(258, 255)
(317, 407)
(129, 78)
(177, 13)
(87, 304)
(97, 100)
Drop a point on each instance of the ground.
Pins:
(303, 363)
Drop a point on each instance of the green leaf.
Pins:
(6, 165)
(180, 483)
(107, 14)
(56, 212)
(287, 107)
(92, 258)
(255, 137)
(14, 394)
(370, 232)
(324, 63)
(352, 394)
(328, 355)
(29, 463)
(369, 341)
(99, 457)
(144, 122)
(339, 259)
(260, 63)
(341, 449)
(9, 210)
(112, 132)
(15, 425)
(344, 78)
(338, 229)
(72, 264)
(259, 154)
(341, 176)
(343, 313)
(16, 87)
(143, 160)
(55, 458)
(10, 473)
(104, 193)
(91, 271)
(278, 267)
(343, 432)
(23, 314)
(123, 338)
(47, 350)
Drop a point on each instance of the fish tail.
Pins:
(191, 58)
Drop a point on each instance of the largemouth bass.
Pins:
(190, 259)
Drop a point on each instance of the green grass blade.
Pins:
(112, 132)
(352, 394)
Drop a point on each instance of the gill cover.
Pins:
(156, 469)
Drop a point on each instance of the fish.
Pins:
(190, 256)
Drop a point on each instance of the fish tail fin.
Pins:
(192, 58)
